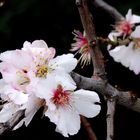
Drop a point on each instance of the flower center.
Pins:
(125, 27)
(42, 71)
(60, 97)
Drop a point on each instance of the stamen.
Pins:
(42, 71)
(61, 97)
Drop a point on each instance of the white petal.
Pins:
(26, 46)
(64, 79)
(8, 72)
(84, 102)
(44, 88)
(121, 54)
(113, 36)
(134, 63)
(19, 125)
(135, 19)
(18, 97)
(39, 44)
(2, 84)
(65, 61)
(132, 18)
(66, 119)
(35, 47)
(6, 113)
(136, 33)
(128, 57)
(32, 107)
(17, 58)
(129, 15)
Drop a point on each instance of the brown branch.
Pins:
(111, 104)
(109, 9)
(88, 128)
(100, 86)
(9, 125)
(96, 54)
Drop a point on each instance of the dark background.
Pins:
(54, 21)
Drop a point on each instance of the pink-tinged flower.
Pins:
(64, 105)
(129, 55)
(81, 46)
(125, 27)
(22, 71)
(16, 100)
(8, 95)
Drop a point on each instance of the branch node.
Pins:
(93, 43)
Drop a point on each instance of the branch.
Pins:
(88, 128)
(96, 54)
(100, 86)
(5, 127)
(109, 9)
(111, 104)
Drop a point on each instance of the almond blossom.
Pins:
(129, 56)
(65, 105)
(81, 46)
(125, 26)
(23, 69)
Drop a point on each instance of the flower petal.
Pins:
(136, 33)
(129, 15)
(7, 112)
(17, 58)
(135, 19)
(8, 72)
(84, 102)
(113, 36)
(63, 117)
(32, 107)
(65, 61)
(64, 79)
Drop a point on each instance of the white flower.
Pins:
(15, 68)
(124, 27)
(64, 105)
(129, 55)
(57, 68)
(23, 70)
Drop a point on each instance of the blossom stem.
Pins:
(114, 44)
(88, 128)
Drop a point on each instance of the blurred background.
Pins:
(54, 21)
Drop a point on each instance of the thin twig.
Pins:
(110, 119)
(109, 9)
(88, 128)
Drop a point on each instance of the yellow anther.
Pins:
(42, 71)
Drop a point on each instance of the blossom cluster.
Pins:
(32, 77)
(128, 55)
